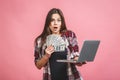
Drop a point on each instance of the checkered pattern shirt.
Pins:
(73, 50)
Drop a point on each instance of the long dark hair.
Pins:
(46, 30)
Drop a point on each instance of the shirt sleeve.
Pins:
(37, 51)
(73, 44)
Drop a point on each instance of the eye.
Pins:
(59, 20)
(52, 20)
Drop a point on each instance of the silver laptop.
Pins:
(87, 53)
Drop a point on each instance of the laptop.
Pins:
(87, 53)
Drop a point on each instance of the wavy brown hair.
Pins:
(46, 30)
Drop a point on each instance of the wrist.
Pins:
(47, 55)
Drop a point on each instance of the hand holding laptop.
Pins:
(80, 63)
(87, 52)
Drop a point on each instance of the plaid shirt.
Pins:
(73, 50)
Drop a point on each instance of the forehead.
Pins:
(55, 16)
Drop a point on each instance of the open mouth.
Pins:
(55, 27)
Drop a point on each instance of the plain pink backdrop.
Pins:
(21, 21)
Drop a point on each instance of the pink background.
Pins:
(21, 21)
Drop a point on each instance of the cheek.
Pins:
(59, 24)
(50, 27)
(59, 27)
(51, 24)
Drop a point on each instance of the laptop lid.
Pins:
(89, 50)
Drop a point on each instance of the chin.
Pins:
(55, 32)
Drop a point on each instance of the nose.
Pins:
(55, 22)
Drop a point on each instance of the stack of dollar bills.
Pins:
(57, 41)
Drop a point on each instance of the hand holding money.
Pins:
(49, 50)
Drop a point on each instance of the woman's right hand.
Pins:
(49, 50)
(42, 62)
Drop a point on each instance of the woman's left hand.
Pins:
(81, 63)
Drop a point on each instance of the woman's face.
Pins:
(55, 23)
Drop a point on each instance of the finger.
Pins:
(78, 64)
(83, 62)
(52, 50)
(51, 47)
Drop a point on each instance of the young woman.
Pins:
(46, 56)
